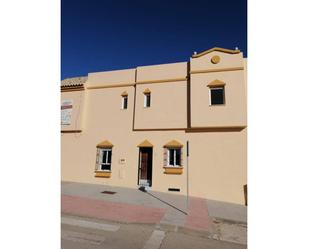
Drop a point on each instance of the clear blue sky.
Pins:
(101, 35)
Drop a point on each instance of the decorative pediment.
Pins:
(124, 94)
(223, 50)
(173, 144)
(145, 143)
(105, 144)
(215, 83)
(147, 90)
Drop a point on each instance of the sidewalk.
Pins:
(134, 206)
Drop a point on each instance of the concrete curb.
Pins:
(164, 227)
(232, 222)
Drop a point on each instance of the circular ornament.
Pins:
(215, 59)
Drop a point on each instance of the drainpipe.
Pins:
(187, 176)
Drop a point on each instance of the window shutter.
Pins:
(165, 157)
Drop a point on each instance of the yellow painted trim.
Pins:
(110, 86)
(138, 83)
(173, 170)
(224, 50)
(145, 143)
(215, 83)
(105, 144)
(147, 90)
(217, 70)
(124, 94)
(161, 81)
(105, 174)
(215, 59)
(173, 144)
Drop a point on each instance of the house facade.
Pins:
(134, 127)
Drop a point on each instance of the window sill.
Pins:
(170, 170)
(217, 105)
(105, 174)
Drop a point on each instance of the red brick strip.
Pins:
(198, 217)
(110, 210)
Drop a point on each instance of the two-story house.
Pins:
(132, 127)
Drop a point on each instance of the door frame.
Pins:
(149, 164)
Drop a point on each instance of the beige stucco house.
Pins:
(131, 127)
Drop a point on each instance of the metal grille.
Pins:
(108, 192)
(174, 189)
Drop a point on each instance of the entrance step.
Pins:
(144, 188)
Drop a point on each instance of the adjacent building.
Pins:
(132, 127)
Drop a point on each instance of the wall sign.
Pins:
(66, 111)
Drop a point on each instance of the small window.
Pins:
(146, 99)
(216, 95)
(104, 159)
(174, 157)
(124, 102)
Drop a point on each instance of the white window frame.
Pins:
(145, 100)
(122, 102)
(168, 157)
(100, 161)
(216, 88)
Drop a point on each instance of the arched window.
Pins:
(124, 100)
(147, 98)
(173, 154)
(104, 156)
(216, 92)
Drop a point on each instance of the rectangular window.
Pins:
(104, 159)
(124, 102)
(147, 100)
(174, 157)
(216, 95)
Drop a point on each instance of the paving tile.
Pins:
(110, 210)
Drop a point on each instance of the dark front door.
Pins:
(145, 166)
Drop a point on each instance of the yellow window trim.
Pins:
(105, 174)
(145, 143)
(173, 170)
(147, 91)
(105, 144)
(173, 144)
(216, 83)
(124, 94)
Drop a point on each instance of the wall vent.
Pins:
(174, 189)
(108, 192)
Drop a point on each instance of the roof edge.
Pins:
(74, 81)
(224, 50)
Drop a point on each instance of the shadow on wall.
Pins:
(143, 189)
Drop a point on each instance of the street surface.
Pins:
(130, 218)
(90, 233)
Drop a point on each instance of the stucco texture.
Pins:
(179, 103)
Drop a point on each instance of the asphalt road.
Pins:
(83, 233)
